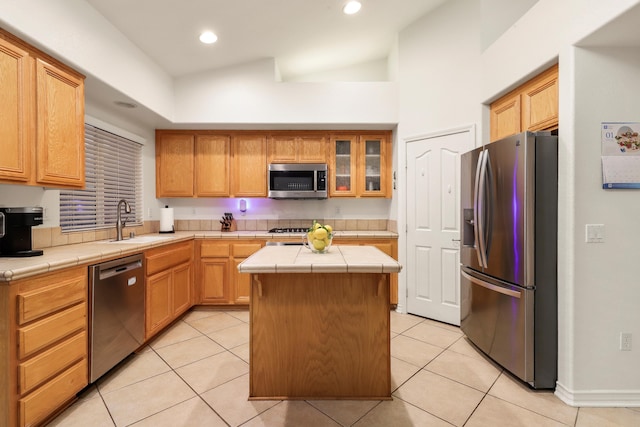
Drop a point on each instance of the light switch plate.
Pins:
(594, 233)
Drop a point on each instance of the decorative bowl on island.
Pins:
(318, 238)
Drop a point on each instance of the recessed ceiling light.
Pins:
(125, 104)
(352, 7)
(208, 37)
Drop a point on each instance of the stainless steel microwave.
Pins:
(298, 181)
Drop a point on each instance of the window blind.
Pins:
(113, 171)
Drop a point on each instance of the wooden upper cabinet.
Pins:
(374, 165)
(282, 149)
(212, 161)
(60, 127)
(342, 167)
(505, 117)
(207, 163)
(174, 165)
(249, 166)
(540, 101)
(532, 106)
(41, 118)
(288, 148)
(360, 165)
(15, 66)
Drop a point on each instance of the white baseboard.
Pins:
(598, 398)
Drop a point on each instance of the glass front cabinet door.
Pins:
(343, 172)
(360, 166)
(371, 182)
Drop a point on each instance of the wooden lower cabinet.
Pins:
(44, 401)
(44, 345)
(388, 246)
(168, 285)
(217, 274)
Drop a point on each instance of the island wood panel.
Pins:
(388, 246)
(320, 336)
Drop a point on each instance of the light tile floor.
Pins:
(196, 374)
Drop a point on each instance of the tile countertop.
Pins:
(59, 257)
(339, 259)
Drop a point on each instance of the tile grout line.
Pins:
(189, 385)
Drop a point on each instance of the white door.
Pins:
(433, 222)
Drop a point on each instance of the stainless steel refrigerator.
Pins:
(509, 203)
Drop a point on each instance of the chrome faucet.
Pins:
(119, 223)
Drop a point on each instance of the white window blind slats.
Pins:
(113, 172)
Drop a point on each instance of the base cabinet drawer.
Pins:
(35, 304)
(41, 368)
(36, 406)
(45, 332)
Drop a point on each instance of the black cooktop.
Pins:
(288, 230)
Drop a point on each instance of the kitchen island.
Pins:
(320, 323)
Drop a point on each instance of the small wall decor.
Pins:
(620, 155)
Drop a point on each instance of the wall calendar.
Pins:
(620, 155)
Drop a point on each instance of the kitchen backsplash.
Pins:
(45, 237)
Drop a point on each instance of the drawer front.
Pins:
(38, 303)
(36, 406)
(54, 328)
(214, 250)
(162, 259)
(39, 369)
(245, 249)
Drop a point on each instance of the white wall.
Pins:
(605, 289)
(251, 94)
(591, 370)
(74, 32)
(498, 15)
(443, 79)
(535, 41)
(439, 88)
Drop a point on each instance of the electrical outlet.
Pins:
(625, 341)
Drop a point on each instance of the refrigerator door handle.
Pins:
(481, 210)
(491, 287)
(476, 212)
(487, 214)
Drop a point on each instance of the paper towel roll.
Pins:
(166, 220)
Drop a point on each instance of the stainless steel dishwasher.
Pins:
(117, 312)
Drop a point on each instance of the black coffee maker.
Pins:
(15, 231)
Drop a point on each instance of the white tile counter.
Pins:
(59, 257)
(339, 259)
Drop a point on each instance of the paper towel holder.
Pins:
(173, 229)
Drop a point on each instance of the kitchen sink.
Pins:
(140, 239)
